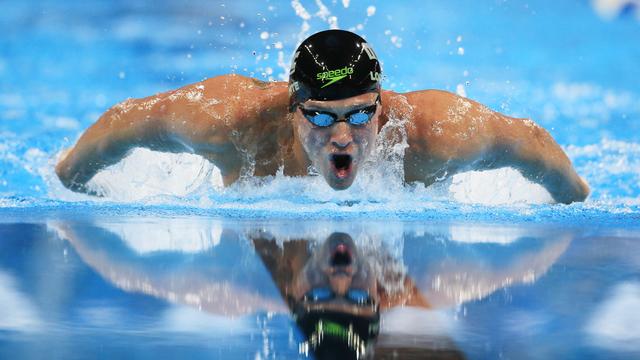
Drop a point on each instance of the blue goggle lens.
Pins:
(355, 296)
(325, 119)
(320, 119)
(319, 294)
(358, 296)
(359, 118)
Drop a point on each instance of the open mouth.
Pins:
(341, 164)
(341, 256)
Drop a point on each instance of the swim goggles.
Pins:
(325, 118)
(358, 297)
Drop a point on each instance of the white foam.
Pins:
(497, 187)
(145, 174)
(154, 177)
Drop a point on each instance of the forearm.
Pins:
(449, 134)
(541, 160)
(105, 143)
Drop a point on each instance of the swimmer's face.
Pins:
(337, 266)
(337, 151)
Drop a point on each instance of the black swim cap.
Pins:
(338, 335)
(332, 65)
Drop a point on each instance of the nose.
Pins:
(341, 136)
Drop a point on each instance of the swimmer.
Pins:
(335, 288)
(334, 293)
(326, 119)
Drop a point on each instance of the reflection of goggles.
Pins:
(326, 118)
(358, 297)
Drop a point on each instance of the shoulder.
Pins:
(439, 122)
(428, 106)
(231, 99)
(246, 95)
(227, 89)
(423, 105)
(239, 82)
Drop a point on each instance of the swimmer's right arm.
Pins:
(198, 118)
(107, 141)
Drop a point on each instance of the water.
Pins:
(569, 66)
(189, 286)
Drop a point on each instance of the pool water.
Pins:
(148, 287)
(150, 269)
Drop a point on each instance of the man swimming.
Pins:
(326, 118)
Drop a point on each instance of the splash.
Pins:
(159, 178)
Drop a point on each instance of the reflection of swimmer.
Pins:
(328, 117)
(336, 296)
(337, 287)
(334, 288)
(212, 280)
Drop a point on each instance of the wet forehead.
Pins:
(343, 104)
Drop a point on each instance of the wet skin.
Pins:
(337, 151)
(240, 123)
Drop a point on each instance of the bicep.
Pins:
(454, 129)
(449, 134)
(454, 134)
(181, 120)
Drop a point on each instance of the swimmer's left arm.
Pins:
(450, 134)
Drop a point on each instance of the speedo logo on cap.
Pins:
(334, 75)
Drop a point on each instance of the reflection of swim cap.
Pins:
(337, 335)
(332, 65)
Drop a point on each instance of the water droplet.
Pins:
(371, 10)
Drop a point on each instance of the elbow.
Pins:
(583, 190)
(578, 191)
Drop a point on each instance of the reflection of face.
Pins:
(337, 265)
(338, 150)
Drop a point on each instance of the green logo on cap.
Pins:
(334, 76)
